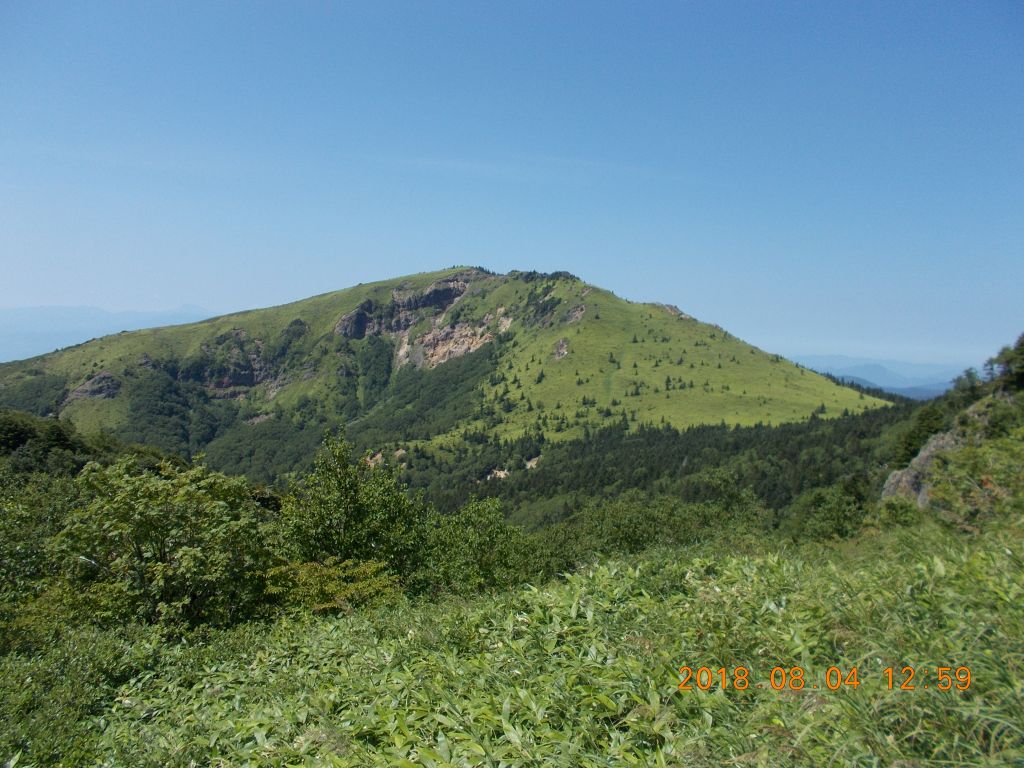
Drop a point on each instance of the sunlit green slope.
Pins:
(424, 357)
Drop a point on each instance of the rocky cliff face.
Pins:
(450, 341)
(442, 342)
(405, 309)
(354, 324)
(912, 482)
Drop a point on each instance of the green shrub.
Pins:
(631, 523)
(352, 512)
(898, 510)
(33, 509)
(332, 586)
(822, 513)
(473, 549)
(927, 421)
(172, 545)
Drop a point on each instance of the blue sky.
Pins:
(815, 177)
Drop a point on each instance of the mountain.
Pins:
(920, 392)
(920, 381)
(29, 331)
(424, 362)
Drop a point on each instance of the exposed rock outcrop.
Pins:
(675, 311)
(444, 341)
(442, 344)
(404, 310)
(912, 482)
(354, 324)
(243, 369)
(438, 295)
(103, 385)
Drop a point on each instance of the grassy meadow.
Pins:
(582, 671)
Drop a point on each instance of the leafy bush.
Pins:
(631, 523)
(16, 429)
(332, 586)
(172, 545)
(471, 550)
(33, 509)
(898, 510)
(930, 419)
(352, 512)
(50, 701)
(822, 513)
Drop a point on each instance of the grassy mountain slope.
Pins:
(427, 357)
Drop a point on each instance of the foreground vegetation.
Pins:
(154, 612)
(581, 671)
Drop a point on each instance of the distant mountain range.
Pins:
(425, 362)
(29, 331)
(920, 381)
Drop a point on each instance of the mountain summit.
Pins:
(432, 358)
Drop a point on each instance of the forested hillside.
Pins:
(426, 362)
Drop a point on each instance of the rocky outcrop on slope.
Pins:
(406, 308)
(912, 482)
(103, 385)
(442, 342)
